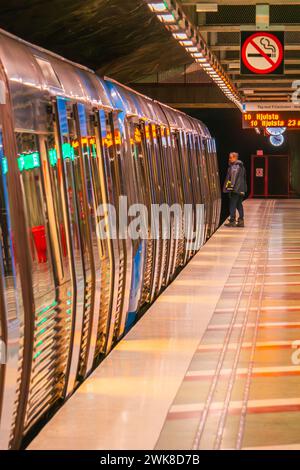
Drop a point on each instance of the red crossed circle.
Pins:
(273, 64)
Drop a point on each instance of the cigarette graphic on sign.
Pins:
(262, 53)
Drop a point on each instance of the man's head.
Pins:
(233, 157)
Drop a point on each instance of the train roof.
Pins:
(27, 65)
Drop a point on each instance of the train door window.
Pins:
(182, 142)
(6, 243)
(114, 147)
(55, 191)
(151, 164)
(29, 163)
(11, 314)
(157, 157)
(138, 154)
(166, 171)
(191, 169)
(199, 169)
(177, 168)
(204, 169)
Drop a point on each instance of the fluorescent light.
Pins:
(186, 43)
(197, 55)
(157, 7)
(180, 36)
(167, 18)
(192, 49)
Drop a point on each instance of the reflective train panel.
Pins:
(72, 145)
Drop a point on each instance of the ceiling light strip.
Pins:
(172, 16)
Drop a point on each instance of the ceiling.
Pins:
(125, 40)
(222, 33)
(120, 38)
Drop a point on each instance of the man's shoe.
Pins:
(241, 223)
(230, 223)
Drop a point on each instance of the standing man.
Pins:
(236, 187)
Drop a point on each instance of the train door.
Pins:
(170, 199)
(203, 184)
(176, 198)
(156, 255)
(161, 190)
(147, 183)
(79, 239)
(104, 260)
(141, 195)
(92, 199)
(11, 309)
(187, 190)
(180, 196)
(205, 172)
(196, 189)
(217, 179)
(213, 186)
(115, 163)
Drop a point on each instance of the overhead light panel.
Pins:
(158, 7)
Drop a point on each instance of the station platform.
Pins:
(214, 363)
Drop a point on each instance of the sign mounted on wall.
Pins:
(262, 53)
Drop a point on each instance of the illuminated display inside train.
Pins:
(288, 119)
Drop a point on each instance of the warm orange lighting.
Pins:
(289, 119)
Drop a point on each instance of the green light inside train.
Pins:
(29, 161)
(68, 151)
(4, 165)
(52, 157)
(94, 151)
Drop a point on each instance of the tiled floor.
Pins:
(213, 364)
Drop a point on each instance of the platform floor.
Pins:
(214, 362)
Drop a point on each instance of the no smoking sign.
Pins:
(262, 53)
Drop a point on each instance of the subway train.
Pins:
(71, 142)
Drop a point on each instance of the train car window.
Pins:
(109, 156)
(191, 169)
(114, 148)
(157, 157)
(151, 167)
(204, 169)
(177, 168)
(199, 168)
(54, 191)
(186, 183)
(167, 175)
(49, 74)
(29, 164)
(138, 154)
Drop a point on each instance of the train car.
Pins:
(72, 145)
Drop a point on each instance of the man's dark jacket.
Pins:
(236, 180)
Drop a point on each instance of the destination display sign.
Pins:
(288, 119)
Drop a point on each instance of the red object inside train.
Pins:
(40, 242)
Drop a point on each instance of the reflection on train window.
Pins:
(138, 154)
(55, 171)
(29, 163)
(7, 252)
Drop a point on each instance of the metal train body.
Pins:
(70, 141)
